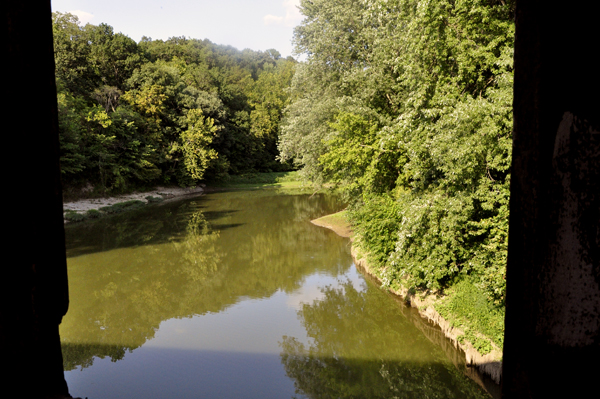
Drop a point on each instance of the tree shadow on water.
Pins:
(330, 377)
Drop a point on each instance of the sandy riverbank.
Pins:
(84, 205)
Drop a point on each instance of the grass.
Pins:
(468, 308)
(253, 180)
(337, 222)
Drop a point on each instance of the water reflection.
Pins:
(237, 295)
(363, 347)
(132, 272)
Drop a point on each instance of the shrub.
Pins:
(376, 223)
(152, 199)
(73, 216)
(468, 307)
(93, 213)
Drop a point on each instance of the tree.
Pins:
(411, 101)
(195, 143)
(267, 96)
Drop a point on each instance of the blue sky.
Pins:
(254, 24)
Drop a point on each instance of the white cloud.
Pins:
(292, 15)
(84, 17)
(272, 19)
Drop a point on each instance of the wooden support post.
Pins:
(552, 336)
(33, 286)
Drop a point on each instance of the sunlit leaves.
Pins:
(195, 141)
(149, 100)
(411, 100)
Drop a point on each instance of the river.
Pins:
(236, 294)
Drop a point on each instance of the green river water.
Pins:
(237, 295)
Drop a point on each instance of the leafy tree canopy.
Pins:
(407, 106)
(173, 111)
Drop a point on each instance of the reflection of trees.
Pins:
(120, 297)
(278, 246)
(190, 258)
(83, 354)
(199, 260)
(363, 348)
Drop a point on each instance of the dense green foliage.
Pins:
(468, 309)
(407, 105)
(176, 111)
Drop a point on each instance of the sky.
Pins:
(254, 24)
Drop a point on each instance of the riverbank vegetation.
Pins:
(262, 180)
(135, 115)
(406, 105)
(119, 207)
